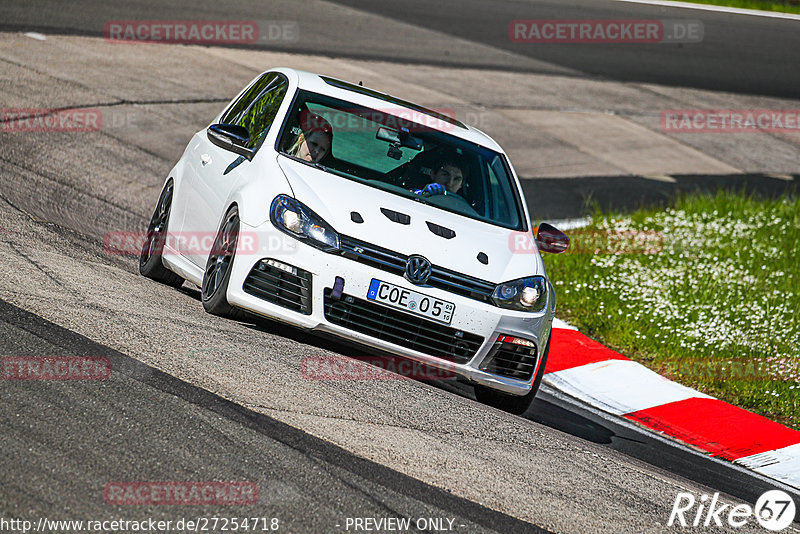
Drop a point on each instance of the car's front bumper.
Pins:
(471, 316)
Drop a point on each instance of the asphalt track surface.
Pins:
(199, 398)
(116, 428)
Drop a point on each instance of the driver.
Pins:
(447, 179)
(314, 141)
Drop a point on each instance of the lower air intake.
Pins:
(281, 284)
(510, 360)
(402, 329)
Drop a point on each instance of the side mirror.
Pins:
(551, 239)
(231, 137)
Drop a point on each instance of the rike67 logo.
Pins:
(774, 510)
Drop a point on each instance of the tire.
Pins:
(150, 264)
(515, 404)
(214, 292)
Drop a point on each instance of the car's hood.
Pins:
(334, 198)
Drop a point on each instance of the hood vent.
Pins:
(441, 231)
(396, 216)
(356, 217)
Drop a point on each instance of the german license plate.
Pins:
(411, 301)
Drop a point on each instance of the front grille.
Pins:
(400, 328)
(372, 255)
(461, 284)
(511, 360)
(395, 263)
(280, 284)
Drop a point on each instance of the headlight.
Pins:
(525, 294)
(296, 219)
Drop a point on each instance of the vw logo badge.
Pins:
(418, 269)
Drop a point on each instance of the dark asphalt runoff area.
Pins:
(738, 53)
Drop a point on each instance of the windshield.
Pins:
(402, 156)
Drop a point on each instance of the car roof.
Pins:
(358, 94)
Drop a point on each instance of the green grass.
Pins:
(789, 6)
(696, 292)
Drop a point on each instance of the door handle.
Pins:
(205, 159)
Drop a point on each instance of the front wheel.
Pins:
(214, 291)
(513, 403)
(150, 264)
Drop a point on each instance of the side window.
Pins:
(257, 107)
(238, 108)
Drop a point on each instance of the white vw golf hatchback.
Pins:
(337, 208)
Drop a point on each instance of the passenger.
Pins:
(448, 179)
(313, 144)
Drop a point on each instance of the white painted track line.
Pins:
(719, 9)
